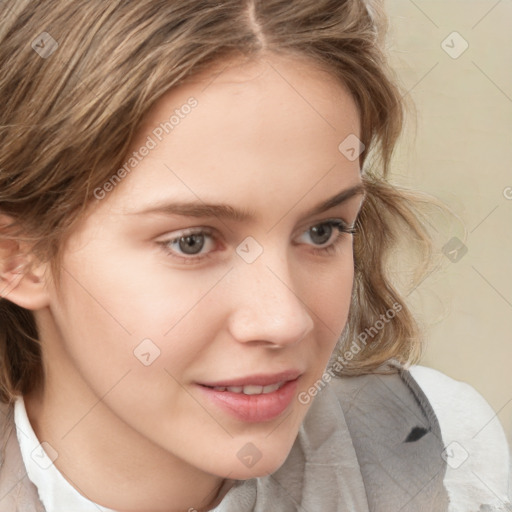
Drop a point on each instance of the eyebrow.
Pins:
(224, 211)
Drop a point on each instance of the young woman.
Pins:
(196, 232)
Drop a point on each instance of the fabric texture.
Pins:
(477, 461)
(372, 443)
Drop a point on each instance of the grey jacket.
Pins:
(370, 443)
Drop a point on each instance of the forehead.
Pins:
(243, 129)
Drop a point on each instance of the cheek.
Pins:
(132, 289)
(114, 317)
(328, 293)
(134, 354)
(330, 301)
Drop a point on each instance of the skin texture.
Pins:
(264, 138)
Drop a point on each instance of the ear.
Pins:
(22, 279)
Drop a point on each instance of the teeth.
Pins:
(272, 387)
(250, 389)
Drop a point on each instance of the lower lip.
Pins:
(254, 408)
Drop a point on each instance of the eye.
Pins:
(194, 245)
(326, 236)
(190, 245)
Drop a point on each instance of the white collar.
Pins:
(55, 492)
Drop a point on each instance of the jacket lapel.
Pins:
(398, 441)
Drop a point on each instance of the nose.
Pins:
(266, 307)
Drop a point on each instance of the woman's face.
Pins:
(215, 260)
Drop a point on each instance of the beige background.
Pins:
(460, 151)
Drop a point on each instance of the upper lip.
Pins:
(256, 380)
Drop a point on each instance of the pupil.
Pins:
(321, 234)
(191, 244)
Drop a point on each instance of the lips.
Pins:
(255, 398)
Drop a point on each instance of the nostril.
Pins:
(415, 434)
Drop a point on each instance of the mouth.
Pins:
(253, 399)
(250, 389)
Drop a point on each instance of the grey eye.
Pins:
(191, 244)
(321, 234)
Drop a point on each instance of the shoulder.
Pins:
(422, 423)
(476, 448)
(461, 410)
(397, 441)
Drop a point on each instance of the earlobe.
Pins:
(21, 281)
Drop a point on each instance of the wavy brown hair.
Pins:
(67, 121)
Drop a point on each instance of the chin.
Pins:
(255, 472)
(253, 463)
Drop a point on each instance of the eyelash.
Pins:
(330, 249)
